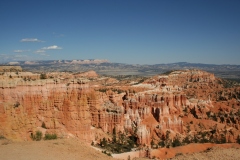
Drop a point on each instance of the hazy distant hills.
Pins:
(108, 68)
(51, 62)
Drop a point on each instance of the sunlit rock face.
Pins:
(61, 107)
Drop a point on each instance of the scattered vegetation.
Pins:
(229, 83)
(126, 77)
(104, 90)
(43, 76)
(141, 80)
(17, 104)
(37, 136)
(209, 136)
(2, 137)
(117, 90)
(50, 136)
(120, 143)
(176, 141)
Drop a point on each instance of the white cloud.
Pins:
(30, 40)
(40, 51)
(51, 47)
(18, 51)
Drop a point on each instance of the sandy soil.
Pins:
(61, 149)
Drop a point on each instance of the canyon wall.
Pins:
(73, 105)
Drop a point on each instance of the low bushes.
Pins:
(38, 136)
(2, 137)
(50, 136)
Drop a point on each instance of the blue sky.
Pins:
(124, 31)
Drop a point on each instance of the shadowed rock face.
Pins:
(161, 106)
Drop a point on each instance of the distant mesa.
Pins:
(30, 62)
(13, 63)
(104, 67)
(87, 61)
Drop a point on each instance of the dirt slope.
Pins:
(61, 149)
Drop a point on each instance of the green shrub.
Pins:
(161, 143)
(2, 137)
(17, 104)
(104, 90)
(50, 136)
(176, 142)
(122, 144)
(37, 136)
(43, 76)
(187, 139)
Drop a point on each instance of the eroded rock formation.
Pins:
(190, 105)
